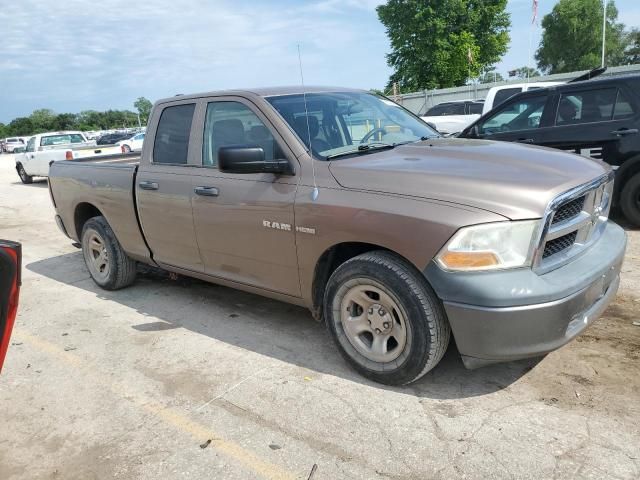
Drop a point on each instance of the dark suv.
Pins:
(596, 118)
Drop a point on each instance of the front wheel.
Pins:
(126, 149)
(108, 264)
(630, 200)
(22, 173)
(385, 319)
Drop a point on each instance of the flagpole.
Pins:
(604, 29)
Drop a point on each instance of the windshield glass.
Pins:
(349, 122)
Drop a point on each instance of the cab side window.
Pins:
(171, 145)
(521, 114)
(233, 123)
(586, 106)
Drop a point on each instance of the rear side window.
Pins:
(446, 109)
(475, 108)
(171, 144)
(31, 144)
(505, 94)
(586, 107)
(624, 108)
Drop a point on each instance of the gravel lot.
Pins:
(133, 384)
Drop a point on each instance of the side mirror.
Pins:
(432, 125)
(249, 159)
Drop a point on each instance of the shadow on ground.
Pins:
(268, 327)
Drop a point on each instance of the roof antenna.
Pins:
(315, 192)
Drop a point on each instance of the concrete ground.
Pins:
(181, 379)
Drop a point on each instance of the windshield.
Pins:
(349, 122)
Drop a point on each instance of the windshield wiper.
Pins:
(365, 147)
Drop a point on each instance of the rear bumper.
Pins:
(518, 314)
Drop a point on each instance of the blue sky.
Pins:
(77, 55)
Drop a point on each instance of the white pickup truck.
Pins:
(44, 148)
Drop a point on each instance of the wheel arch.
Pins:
(330, 260)
(83, 212)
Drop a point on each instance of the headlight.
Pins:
(490, 246)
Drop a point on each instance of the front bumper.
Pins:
(511, 314)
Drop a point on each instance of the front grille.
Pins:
(559, 244)
(568, 211)
(574, 221)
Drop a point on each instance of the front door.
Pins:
(164, 191)
(244, 222)
(516, 120)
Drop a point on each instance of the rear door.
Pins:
(10, 264)
(520, 119)
(599, 122)
(244, 222)
(163, 187)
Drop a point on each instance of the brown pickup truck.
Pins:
(344, 202)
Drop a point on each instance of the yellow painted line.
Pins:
(167, 414)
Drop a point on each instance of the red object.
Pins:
(122, 149)
(69, 155)
(10, 264)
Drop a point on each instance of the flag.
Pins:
(469, 55)
(534, 7)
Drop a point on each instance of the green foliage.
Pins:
(632, 42)
(527, 72)
(572, 37)
(45, 120)
(490, 77)
(430, 41)
(143, 106)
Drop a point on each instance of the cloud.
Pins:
(107, 54)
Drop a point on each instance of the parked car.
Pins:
(452, 117)
(133, 144)
(10, 266)
(112, 138)
(11, 143)
(44, 148)
(344, 202)
(598, 118)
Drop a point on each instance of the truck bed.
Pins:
(106, 183)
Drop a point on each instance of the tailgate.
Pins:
(10, 263)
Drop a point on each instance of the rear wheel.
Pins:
(630, 200)
(385, 318)
(126, 149)
(24, 178)
(109, 265)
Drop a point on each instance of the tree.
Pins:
(524, 72)
(443, 43)
(572, 37)
(632, 42)
(491, 76)
(144, 108)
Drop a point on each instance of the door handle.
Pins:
(31, 156)
(206, 191)
(525, 140)
(149, 185)
(624, 131)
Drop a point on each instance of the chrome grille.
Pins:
(568, 211)
(573, 221)
(559, 244)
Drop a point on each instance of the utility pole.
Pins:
(604, 28)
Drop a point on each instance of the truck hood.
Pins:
(512, 180)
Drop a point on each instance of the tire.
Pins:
(399, 330)
(24, 178)
(108, 264)
(126, 149)
(630, 200)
